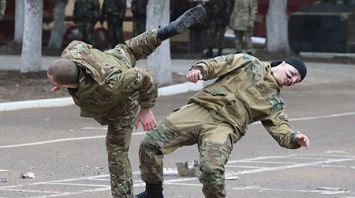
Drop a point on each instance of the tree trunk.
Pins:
(277, 27)
(19, 20)
(32, 38)
(56, 38)
(158, 13)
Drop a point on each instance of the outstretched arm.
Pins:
(278, 127)
(221, 65)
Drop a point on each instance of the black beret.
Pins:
(296, 63)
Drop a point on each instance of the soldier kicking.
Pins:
(107, 87)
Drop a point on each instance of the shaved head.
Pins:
(63, 71)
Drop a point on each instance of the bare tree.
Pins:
(19, 20)
(158, 13)
(32, 38)
(56, 38)
(277, 27)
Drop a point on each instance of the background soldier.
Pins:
(242, 22)
(107, 87)
(114, 12)
(218, 13)
(139, 10)
(2, 8)
(86, 14)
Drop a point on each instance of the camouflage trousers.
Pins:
(192, 124)
(115, 30)
(86, 30)
(117, 145)
(215, 35)
(243, 41)
(138, 26)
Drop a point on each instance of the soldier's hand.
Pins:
(146, 117)
(302, 140)
(194, 75)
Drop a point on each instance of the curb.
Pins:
(61, 102)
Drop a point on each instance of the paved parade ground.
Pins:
(67, 153)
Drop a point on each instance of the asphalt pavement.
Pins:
(67, 154)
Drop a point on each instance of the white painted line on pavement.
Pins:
(142, 133)
(61, 140)
(77, 184)
(267, 169)
(182, 181)
(51, 141)
(31, 104)
(261, 189)
(32, 191)
(61, 102)
(324, 116)
(319, 117)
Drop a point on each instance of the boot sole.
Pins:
(189, 18)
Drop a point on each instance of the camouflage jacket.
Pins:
(86, 11)
(2, 8)
(246, 91)
(109, 87)
(243, 15)
(139, 8)
(115, 8)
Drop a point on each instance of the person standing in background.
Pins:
(86, 14)
(242, 22)
(218, 14)
(2, 8)
(139, 11)
(114, 12)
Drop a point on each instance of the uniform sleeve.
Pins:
(221, 65)
(254, 10)
(278, 127)
(141, 80)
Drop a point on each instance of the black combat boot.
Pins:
(151, 191)
(209, 53)
(181, 24)
(219, 53)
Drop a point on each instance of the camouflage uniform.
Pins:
(217, 117)
(114, 12)
(86, 14)
(110, 91)
(218, 13)
(2, 8)
(139, 10)
(242, 22)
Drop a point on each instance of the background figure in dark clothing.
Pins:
(139, 10)
(218, 13)
(178, 7)
(114, 11)
(86, 14)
